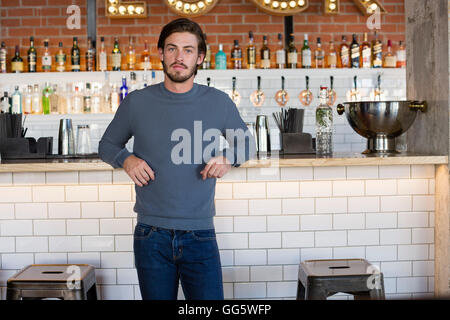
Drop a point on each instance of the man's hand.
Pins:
(216, 168)
(138, 170)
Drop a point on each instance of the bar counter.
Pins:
(274, 160)
(271, 213)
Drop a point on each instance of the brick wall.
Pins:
(229, 20)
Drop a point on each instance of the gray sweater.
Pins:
(177, 134)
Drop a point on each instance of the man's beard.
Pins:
(176, 77)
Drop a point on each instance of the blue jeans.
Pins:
(164, 257)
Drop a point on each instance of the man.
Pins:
(175, 165)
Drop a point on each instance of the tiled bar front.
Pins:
(268, 220)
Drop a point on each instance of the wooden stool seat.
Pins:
(62, 281)
(319, 279)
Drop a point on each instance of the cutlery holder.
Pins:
(297, 143)
(26, 148)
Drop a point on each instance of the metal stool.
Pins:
(62, 281)
(319, 279)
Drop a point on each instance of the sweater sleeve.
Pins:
(242, 144)
(111, 147)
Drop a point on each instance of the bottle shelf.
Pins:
(11, 79)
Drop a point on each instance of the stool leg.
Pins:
(362, 296)
(301, 292)
(92, 293)
(316, 293)
(378, 293)
(74, 295)
(12, 294)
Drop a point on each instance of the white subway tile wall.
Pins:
(265, 228)
(345, 138)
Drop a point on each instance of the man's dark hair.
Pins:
(183, 25)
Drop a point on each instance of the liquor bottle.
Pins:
(281, 53)
(46, 58)
(251, 52)
(5, 104)
(90, 56)
(60, 59)
(115, 99)
(68, 94)
(306, 54)
(292, 56)
(324, 125)
(16, 105)
(265, 55)
(123, 89)
(319, 55)
(75, 56)
(207, 60)
(131, 55)
(332, 56)
(116, 56)
(3, 61)
(27, 100)
(62, 100)
(46, 93)
(54, 100)
(133, 82)
(236, 56)
(221, 59)
(153, 78)
(77, 101)
(102, 56)
(366, 53)
(144, 83)
(390, 59)
(87, 99)
(106, 98)
(146, 63)
(401, 56)
(344, 54)
(32, 56)
(36, 102)
(96, 101)
(354, 53)
(377, 52)
(17, 62)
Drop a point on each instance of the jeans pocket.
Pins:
(204, 235)
(143, 231)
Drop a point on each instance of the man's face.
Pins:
(180, 56)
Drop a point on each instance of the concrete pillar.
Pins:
(427, 74)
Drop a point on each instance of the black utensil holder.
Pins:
(297, 143)
(26, 148)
